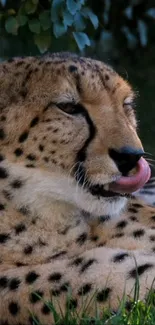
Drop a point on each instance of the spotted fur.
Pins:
(59, 116)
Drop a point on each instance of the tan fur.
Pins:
(50, 224)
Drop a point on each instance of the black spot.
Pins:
(13, 308)
(31, 277)
(23, 136)
(129, 305)
(8, 195)
(23, 92)
(19, 264)
(20, 228)
(31, 157)
(103, 295)
(14, 284)
(4, 237)
(140, 270)
(133, 218)
(1, 157)
(2, 207)
(3, 173)
(77, 261)
(84, 289)
(120, 257)
(119, 235)
(86, 265)
(18, 152)
(41, 147)
(28, 250)
(133, 210)
(137, 205)
(64, 287)
(17, 183)
(121, 224)
(152, 238)
(103, 219)
(55, 292)
(30, 166)
(24, 210)
(153, 218)
(57, 255)
(71, 304)
(33, 319)
(34, 122)
(72, 68)
(45, 310)
(3, 118)
(94, 238)
(138, 233)
(81, 239)
(106, 77)
(2, 134)
(46, 159)
(55, 277)
(36, 296)
(3, 282)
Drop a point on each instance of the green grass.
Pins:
(130, 312)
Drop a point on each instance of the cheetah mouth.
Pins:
(125, 185)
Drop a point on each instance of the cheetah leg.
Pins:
(109, 271)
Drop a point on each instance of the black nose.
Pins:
(126, 158)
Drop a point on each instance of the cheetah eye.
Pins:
(69, 108)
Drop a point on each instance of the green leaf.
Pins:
(142, 29)
(11, 25)
(67, 18)
(131, 39)
(43, 41)
(128, 12)
(22, 20)
(45, 21)
(81, 39)
(59, 29)
(87, 12)
(151, 13)
(56, 9)
(3, 2)
(79, 22)
(34, 26)
(73, 6)
(35, 2)
(30, 7)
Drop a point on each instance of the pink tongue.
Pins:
(132, 183)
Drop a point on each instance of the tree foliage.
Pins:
(41, 25)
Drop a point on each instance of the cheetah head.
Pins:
(72, 120)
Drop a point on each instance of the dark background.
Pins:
(119, 32)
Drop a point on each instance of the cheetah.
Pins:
(70, 159)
